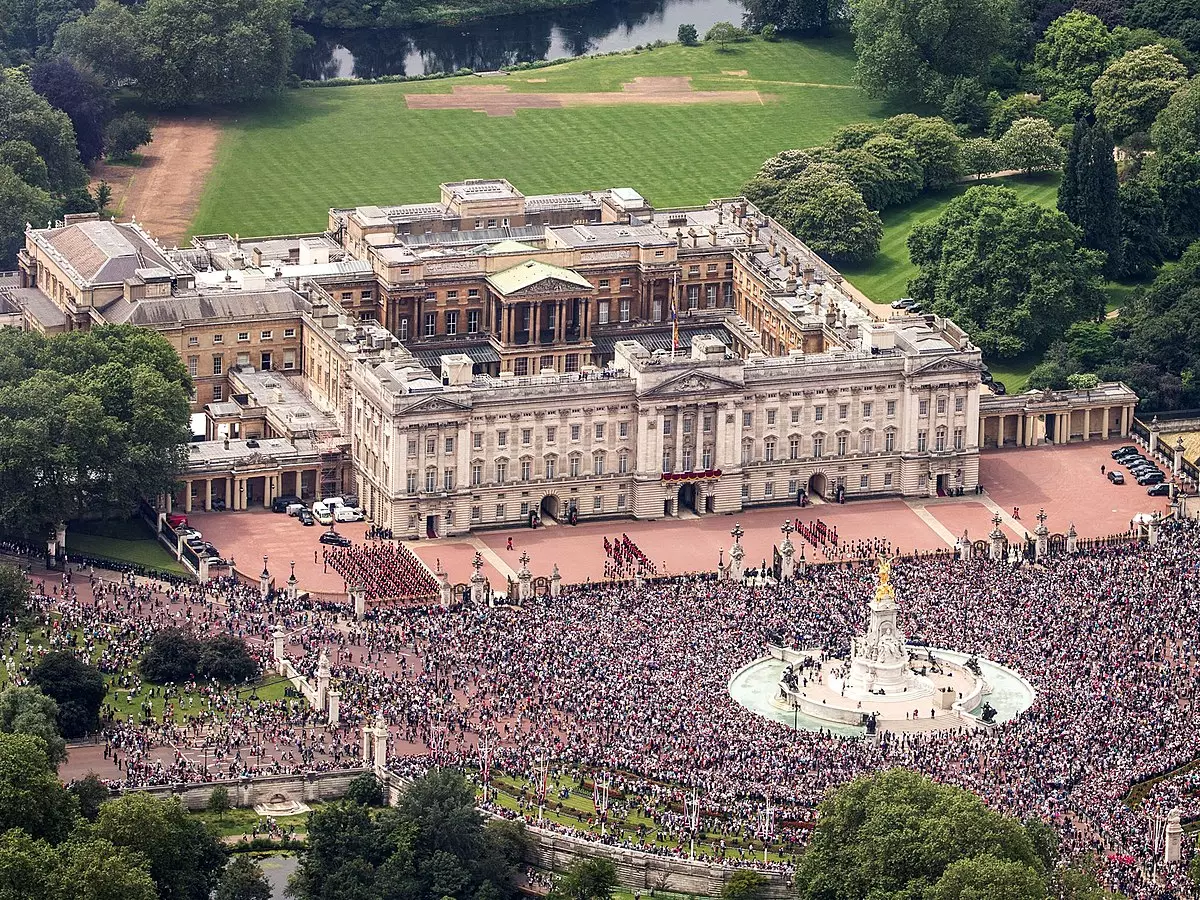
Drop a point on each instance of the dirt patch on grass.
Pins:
(497, 100)
(163, 192)
(740, 73)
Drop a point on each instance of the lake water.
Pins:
(487, 44)
(278, 870)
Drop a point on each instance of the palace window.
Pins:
(891, 407)
(575, 465)
(941, 406)
(598, 464)
(864, 482)
(476, 513)
(623, 463)
(430, 480)
(842, 443)
(501, 471)
(430, 445)
(477, 440)
(922, 440)
(476, 475)
(551, 434)
(402, 329)
(624, 307)
(693, 296)
(598, 503)
(707, 424)
(502, 438)
(668, 426)
(551, 466)
(602, 312)
(747, 419)
(526, 437)
(599, 431)
(793, 448)
(769, 449)
(958, 438)
(430, 324)
(526, 470)
(452, 322)
(770, 417)
(521, 366)
(889, 441)
(666, 461)
(265, 361)
(923, 408)
(218, 363)
(939, 439)
(818, 445)
(887, 479)
(620, 501)
(623, 429)
(818, 413)
(448, 480)
(747, 452)
(706, 458)
(867, 442)
(218, 393)
(499, 511)
(868, 406)
(687, 424)
(411, 483)
(449, 445)
(843, 411)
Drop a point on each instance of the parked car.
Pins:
(305, 517)
(280, 504)
(186, 531)
(218, 505)
(999, 389)
(337, 540)
(210, 550)
(903, 303)
(293, 509)
(987, 377)
(350, 499)
(1149, 478)
(176, 519)
(1116, 477)
(348, 514)
(1124, 451)
(1162, 489)
(322, 513)
(1143, 468)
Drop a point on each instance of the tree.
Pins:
(1031, 145)
(588, 878)
(365, 790)
(1082, 381)
(829, 215)
(103, 196)
(20, 203)
(26, 116)
(105, 41)
(90, 422)
(907, 175)
(218, 801)
(81, 95)
(26, 710)
(226, 658)
(185, 857)
(687, 35)
(914, 54)
(723, 34)
(31, 796)
(1174, 169)
(981, 156)
(125, 134)
(938, 148)
(22, 157)
(172, 656)
(1087, 194)
(243, 880)
(967, 104)
(91, 793)
(799, 17)
(1010, 272)
(744, 885)
(1144, 244)
(769, 33)
(92, 869)
(1072, 53)
(1136, 88)
(899, 834)
(78, 689)
(1177, 18)
(988, 878)
(855, 134)
(1008, 110)
(15, 594)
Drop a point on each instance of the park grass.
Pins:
(1015, 372)
(886, 277)
(281, 166)
(147, 552)
(239, 821)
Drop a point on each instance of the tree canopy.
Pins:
(1008, 271)
(174, 656)
(1072, 53)
(1087, 194)
(31, 796)
(26, 710)
(1136, 88)
(76, 687)
(798, 17)
(90, 421)
(829, 214)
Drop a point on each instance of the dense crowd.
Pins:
(634, 681)
(384, 571)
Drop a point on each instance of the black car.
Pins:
(1122, 451)
(1149, 478)
(280, 504)
(305, 517)
(1162, 489)
(1116, 477)
(338, 540)
(1143, 468)
(218, 505)
(999, 389)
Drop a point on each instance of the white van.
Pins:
(333, 502)
(321, 513)
(293, 509)
(348, 514)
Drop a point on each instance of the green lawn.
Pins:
(280, 167)
(145, 552)
(1014, 373)
(886, 277)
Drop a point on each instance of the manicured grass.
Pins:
(1014, 373)
(886, 277)
(242, 821)
(281, 166)
(145, 552)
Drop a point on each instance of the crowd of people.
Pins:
(383, 571)
(623, 559)
(633, 681)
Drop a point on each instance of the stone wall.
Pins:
(311, 787)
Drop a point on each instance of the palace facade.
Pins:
(494, 355)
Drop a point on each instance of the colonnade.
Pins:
(1022, 428)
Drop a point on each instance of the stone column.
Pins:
(445, 590)
(996, 539)
(208, 488)
(277, 638)
(1104, 424)
(1174, 837)
(1072, 539)
(1042, 533)
(1177, 459)
(524, 580)
(1152, 531)
(368, 742)
(1087, 424)
(322, 679)
(359, 598)
(203, 567)
(381, 740)
(965, 549)
(1153, 435)
(555, 582)
(535, 314)
(1124, 421)
(187, 496)
(264, 581)
(335, 707)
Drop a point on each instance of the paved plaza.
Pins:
(1065, 481)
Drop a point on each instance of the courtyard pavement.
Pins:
(1066, 481)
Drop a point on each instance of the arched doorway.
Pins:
(550, 507)
(817, 485)
(687, 499)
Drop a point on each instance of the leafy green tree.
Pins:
(27, 27)
(1082, 381)
(906, 175)
(1087, 194)
(226, 658)
(125, 134)
(981, 156)
(1144, 244)
(688, 35)
(105, 41)
(81, 95)
(20, 204)
(76, 687)
(744, 884)
(26, 710)
(1136, 88)
(786, 164)
(1072, 53)
(171, 656)
(26, 116)
(988, 878)
(90, 421)
(936, 145)
(22, 157)
(1177, 18)
(769, 33)
(899, 834)
(723, 34)
(1008, 271)
(28, 867)
(31, 796)
(1009, 110)
(829, 215)
(1174, 169)
(94, 869)
(103, 196)
(365, 790)
(185, 857)
(1031, 146)
(588, 878)
(855, 135)
(915, 53)
(91, 793)
(16, 594)
(798, 17)
(243, 880)
(218, 801)
(967, 104)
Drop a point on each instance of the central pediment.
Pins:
(538, 279)
(693, 384)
